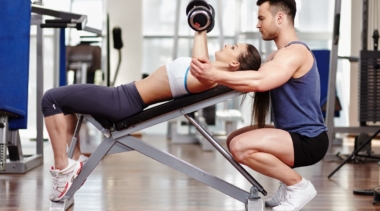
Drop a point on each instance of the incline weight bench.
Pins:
(117, 139)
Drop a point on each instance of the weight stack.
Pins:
(369, 86)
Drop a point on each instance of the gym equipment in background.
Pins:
(15, 78)
(14, 81)
(84, 59)
(118, 45)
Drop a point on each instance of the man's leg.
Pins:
(270, 152)
(241, 131)
(280, 192)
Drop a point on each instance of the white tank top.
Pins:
(177, 74)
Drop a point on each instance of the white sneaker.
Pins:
(63, 179)
(83, 159)
(295, 199)
(277, 198)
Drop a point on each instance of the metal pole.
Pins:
(62, 58)
(40, 90)
(56, 39)
(225, 154)
(365, 26)
(176, 29)
(74, 139)
(219, 10)
(330, 106)
(237, 20)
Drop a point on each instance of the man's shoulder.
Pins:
(298, 51)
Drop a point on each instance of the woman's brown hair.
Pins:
(252, 61)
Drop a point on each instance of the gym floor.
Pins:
(131, 181)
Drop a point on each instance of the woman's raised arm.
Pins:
(200, 45)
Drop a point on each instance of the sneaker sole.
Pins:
(269, 205)
(68, 184)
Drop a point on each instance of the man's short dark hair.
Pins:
(289, 7)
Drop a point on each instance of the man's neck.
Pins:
(285, 37)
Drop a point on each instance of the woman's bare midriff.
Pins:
(155, 88)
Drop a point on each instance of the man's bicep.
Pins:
(273, 76)
(277, 72)
(270, 57)
(289, 61)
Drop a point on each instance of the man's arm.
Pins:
(272, 74)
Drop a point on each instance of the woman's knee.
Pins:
(49, 103)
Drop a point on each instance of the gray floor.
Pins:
(131, 181)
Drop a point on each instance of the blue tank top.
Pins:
(295, 105)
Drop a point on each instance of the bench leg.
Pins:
(61, 205)
(74, 140)
(254, 202)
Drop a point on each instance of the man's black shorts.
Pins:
(309, 150)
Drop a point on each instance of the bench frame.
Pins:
(121, 141)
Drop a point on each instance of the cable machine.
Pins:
(369, 85)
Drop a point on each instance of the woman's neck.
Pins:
(221, 65)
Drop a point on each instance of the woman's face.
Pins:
(230, 53)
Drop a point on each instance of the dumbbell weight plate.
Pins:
(211, 26)
(212, 11)
(196, 3)
(199, 18)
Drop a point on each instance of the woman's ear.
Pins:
(234, 65)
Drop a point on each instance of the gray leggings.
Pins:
(114, 104)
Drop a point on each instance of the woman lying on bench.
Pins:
(173, 80)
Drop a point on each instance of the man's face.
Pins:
(266, 22)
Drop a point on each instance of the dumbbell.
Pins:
(200, 15)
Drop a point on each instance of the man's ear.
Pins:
(235, 65)
(280, 17)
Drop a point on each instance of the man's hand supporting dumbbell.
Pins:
(200, 15)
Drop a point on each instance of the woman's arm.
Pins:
(200, 50)
(200, 45)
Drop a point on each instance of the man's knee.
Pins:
(237, 149)
(228, 141)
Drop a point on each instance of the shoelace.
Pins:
(288, 195)
(286, 200)
(55, 182)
